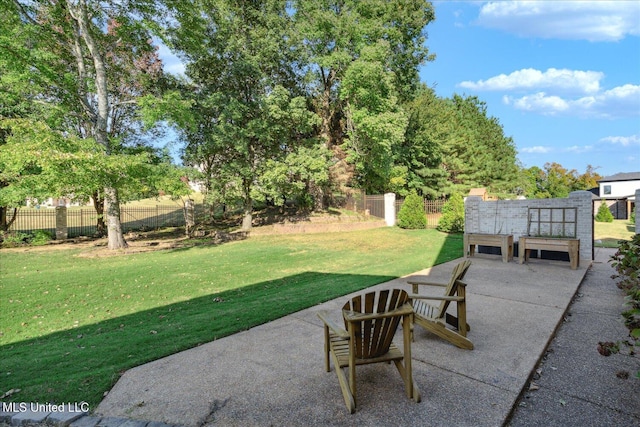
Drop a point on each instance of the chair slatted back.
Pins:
(373, 337)
(458, 273)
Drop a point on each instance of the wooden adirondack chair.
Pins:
(435, 318)
(371, 322)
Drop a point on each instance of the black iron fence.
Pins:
(83, 221)
(374, 204)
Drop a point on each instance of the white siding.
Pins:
(619, 188)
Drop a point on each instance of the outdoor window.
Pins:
(607, 189)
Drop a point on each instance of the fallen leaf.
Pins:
(10, 392)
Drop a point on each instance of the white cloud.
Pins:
(529, 78)
(539, 102)
(625, 141)
(622, 101)
(538, 149)
(594, 21)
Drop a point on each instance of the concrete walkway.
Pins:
(574, 385)
(273, 374)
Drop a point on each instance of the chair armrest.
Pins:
(436, 298)
(340, 332)
(442, 285)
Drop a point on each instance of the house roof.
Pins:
(477, 191)
(624, 176)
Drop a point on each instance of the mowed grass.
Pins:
(608, 234)
(70, 325)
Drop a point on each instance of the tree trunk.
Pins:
(4, 225)
(98, 204)
(100, 120)
(114, 227)
(247, 217)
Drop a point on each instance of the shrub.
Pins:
(626, 262)
(604, 214)
(452, 220)
(411, 214)
(41, 237)
(632, 218)
(15, 238)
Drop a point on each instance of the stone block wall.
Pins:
(511, 217)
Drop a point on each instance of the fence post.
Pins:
(62, 232)
(189, 216)
(390, 209)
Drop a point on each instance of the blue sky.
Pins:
(562, 77)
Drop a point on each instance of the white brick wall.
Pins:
(637, 210)
(510, 217)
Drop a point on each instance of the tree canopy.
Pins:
(74, 71)
(281, 102)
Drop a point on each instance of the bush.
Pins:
(41, 237)
(632, 218)
(626, 262)
(452, 220)
(604, 214)
(17, 238)
(411, 213)
(14, 238)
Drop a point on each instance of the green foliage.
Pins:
(604, 214)
(17, 238)
(41, 237)
(411, 214)
(626, 262)
(452, 220)
(361, 60)
(452, 145)
(288, 178)
(429, 127)
(554, 181)
(13, 238)
(376, 125)
(632, 217)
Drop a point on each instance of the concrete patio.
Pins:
(273, 374)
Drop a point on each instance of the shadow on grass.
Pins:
(82, 364)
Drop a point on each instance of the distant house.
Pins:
(482, 193)
(618, 192)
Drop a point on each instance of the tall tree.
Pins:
(76, 50)
(453, 145)
(333, 34)
(554, 180)
(431, 122)
(478, 153)
(239, 60)
(375, 122)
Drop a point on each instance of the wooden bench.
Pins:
(504, 241)
(570, 246)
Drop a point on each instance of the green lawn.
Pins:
(609, 233)
(69, 325)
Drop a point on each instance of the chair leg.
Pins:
(327, 349)
(349, 399)
(406, 369)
